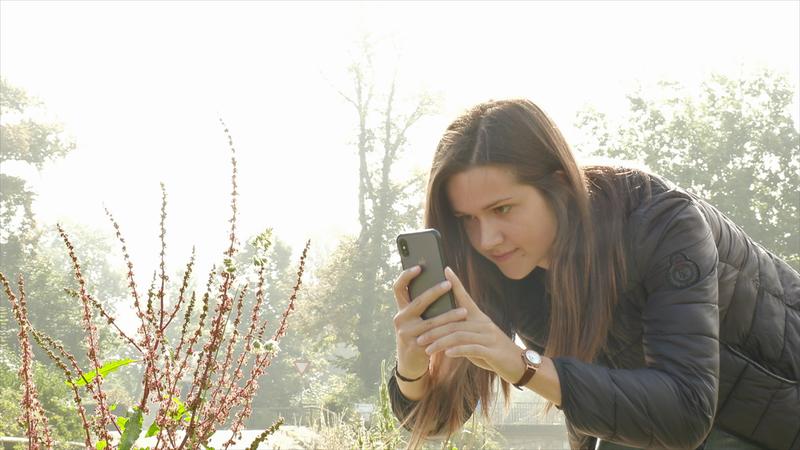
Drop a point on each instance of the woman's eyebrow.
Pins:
(491, 205)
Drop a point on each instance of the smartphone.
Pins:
(424, 248)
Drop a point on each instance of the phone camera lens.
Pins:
(403, 247)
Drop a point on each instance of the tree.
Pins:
(28, 142)
(385, 208)
(53, 394)
(735, 144)
(281, 386)
(47, 270)
(353, 296)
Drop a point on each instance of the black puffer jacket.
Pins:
(707, 330)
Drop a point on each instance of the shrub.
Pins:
(220, 353)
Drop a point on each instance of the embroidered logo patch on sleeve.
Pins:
(682, 271)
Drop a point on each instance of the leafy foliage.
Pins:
(111, 366)
(47, 276)
(53, 394)
(25, 141)
(133, 428)
(29, 140)
(734, 144)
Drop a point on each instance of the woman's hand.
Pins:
(476, 338)
(412, 361)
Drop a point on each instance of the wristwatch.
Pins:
(532, 362)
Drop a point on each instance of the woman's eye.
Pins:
(503, 209)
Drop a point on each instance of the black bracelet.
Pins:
(408, 380)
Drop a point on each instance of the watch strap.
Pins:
(530, 371)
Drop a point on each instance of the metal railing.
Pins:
(520, 413)
(525, 413)
(8, 442)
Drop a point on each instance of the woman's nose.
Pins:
(490, 237)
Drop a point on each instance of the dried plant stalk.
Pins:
(204, 357)
(36, 427)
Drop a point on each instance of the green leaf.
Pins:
(101, 445)
(180, 405)
(121, 422)
(132, 431)
(112, 407)
(105, 370)
(153, 430)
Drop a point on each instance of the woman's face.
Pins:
(508, 223)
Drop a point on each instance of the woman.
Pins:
(648, 316)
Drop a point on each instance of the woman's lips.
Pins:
(503, 257)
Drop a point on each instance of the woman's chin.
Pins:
(515, 273)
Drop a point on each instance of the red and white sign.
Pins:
(301, 365)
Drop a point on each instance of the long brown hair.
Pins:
(587, 255)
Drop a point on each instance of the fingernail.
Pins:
(445, 284)
(420, 340)
(415, 269)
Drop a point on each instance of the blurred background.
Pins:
(334, 110)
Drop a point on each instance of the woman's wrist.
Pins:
(513, 367)
(407, 379)
(415, 390)
(544, 382)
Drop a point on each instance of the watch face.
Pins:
(533, 357)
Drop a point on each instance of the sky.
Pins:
(141, 87)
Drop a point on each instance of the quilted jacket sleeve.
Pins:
(669, 403)
(401, 405)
